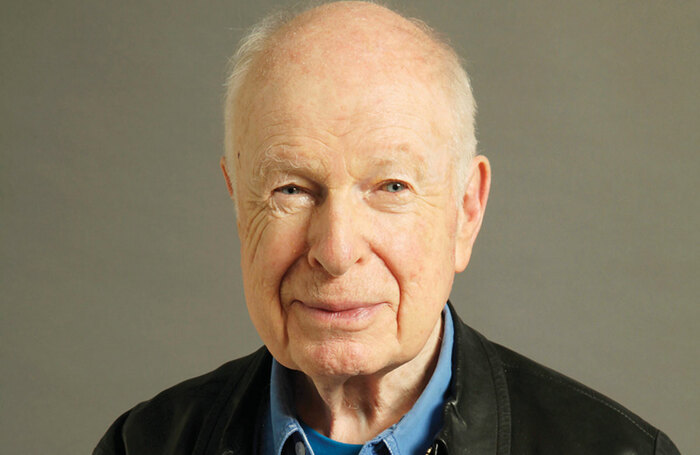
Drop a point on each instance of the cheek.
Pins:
(267, 252)
(420, 255)
(419, 250)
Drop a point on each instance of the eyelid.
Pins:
(281, 182)
(302, 191)
(289, 185)
(384, 183)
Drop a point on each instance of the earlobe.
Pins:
(471, 211)
(224, 169)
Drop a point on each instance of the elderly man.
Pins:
(351, 160)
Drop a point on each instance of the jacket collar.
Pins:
(477, 413)
(233, 423)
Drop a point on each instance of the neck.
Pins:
(356, 409)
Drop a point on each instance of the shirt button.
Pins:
(299, 448)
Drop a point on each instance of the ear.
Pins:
(471, 211)
(224, 169)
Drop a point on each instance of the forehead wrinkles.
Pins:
(286, 158)
(393, 132)
(293, 103)
(379, 119)
(398, 160)
(394, 127)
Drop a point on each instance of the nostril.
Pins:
(334, 257)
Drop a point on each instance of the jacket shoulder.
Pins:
(551, 413)
(177, 418)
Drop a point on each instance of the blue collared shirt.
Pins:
(414, 433)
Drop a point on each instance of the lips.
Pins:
(351, 315)
(336, 306)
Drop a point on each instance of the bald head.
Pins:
(347, 46)
(352, 40)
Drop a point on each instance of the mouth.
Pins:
(347, 313)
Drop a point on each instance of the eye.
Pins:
(394, 186)
(291, 197)
(288, 190)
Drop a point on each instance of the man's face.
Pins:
(347, 215)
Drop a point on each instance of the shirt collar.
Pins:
(412, 434)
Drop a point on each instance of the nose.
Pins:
(336, 235)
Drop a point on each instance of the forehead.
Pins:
(397, 112)
(379, 122)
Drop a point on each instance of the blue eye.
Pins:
(394, 187)
(289, 189)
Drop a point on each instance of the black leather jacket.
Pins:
(501, 403)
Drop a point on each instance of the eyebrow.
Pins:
(415, 165)
(283, 158)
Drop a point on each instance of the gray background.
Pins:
(120, 270)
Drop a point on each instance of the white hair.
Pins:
(457, 87)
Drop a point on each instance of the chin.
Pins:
(341, 359)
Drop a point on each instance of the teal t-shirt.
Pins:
(321, 444)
